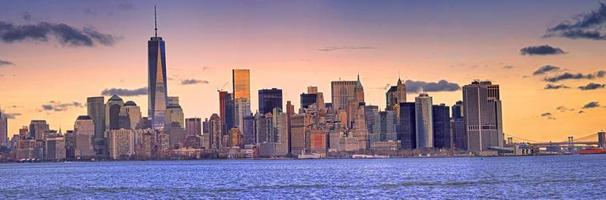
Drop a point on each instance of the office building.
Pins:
(226, 110)
(112, 112)
(84, 131)
(424, 121)
(270, 99)
(483, 116)
(157, 85)
(442, 138)
(458, 127)
(38, 129)
(174, 114)
(95, 107)
(215, 131)
(248, 130)
(132, 113)
(193, 126)
(347, 96)
(395, 95)
(407, 131)
(3, 129)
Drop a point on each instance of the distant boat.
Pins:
(592, 151)
(309, 156)
(364, 156)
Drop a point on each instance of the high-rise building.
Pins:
(112, 112)
(270, 99)
(395, 95)
(174, 114)
(442, 137)
(458, 127)
(54, 147)
(248, 130)
(95, 107)
(308, 99)
(193, 126)
(84, 130)
(347, 96)
(226, 110)
(157, 85)
(297, 135)
(424, 121)
(483, 117)
(215, 131)
(241, 83)
(133, 113)
(290, 111)
(241, 95)
(38, 129)
(407, 130)
(3, 129)
(388, 125)
(373, 123)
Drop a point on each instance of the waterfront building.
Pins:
(3, 129)
(407, 128)
(458, 127)
(424, 121)
(157, 85)
(483, 116)
(441, 126)
(84, 130)
(235, 137)
(297, 134)
(54, 147)
(193, 126)
(270, 99)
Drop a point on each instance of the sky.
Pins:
(547, 56)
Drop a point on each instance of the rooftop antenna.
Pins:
(155, 23)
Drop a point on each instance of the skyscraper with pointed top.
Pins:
(157, 90)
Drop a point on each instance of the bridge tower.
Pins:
(602, 139)
(571, 144)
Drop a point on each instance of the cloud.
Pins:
(548, 115)
(584, 26)
(590, 105)
(59, 107)
(193, 82)
(541, 50)
(545, 69)
(440, 86)
(508, 67)
(338, 48)
(564, 109)
(6, 63)
(555, 87)
(577, 76)
(125, 92)
(592, 86)
(65, 34)
(10, 115)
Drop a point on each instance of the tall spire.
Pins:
(155, 23)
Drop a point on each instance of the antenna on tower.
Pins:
(155, 22)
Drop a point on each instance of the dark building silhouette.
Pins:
(248, 130)
(113, 106)
(308, 99)
(270, 99)
(226, 110)
(458, 126)
(407, 128)
(441, 126)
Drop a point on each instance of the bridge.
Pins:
(567, 145)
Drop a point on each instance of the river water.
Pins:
(546, 177)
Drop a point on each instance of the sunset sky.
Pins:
(54, 54)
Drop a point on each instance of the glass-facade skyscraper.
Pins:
(270, 99)
(157, 89)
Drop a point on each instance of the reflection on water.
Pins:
(548, 177)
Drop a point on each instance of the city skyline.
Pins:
(196, 80)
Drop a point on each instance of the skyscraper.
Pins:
(395, 95)
(347, 96)
(157, 88)
(424, 121)
(441, 126)
(214, 131)
(174, 113)
(407, 130)
(3, 129)
(226, 110)
(112, 112)
(38, 129)
(270, 99)
(483, 117)
(133, 112)
(95, 107)
(458, 126)
(241, 95)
